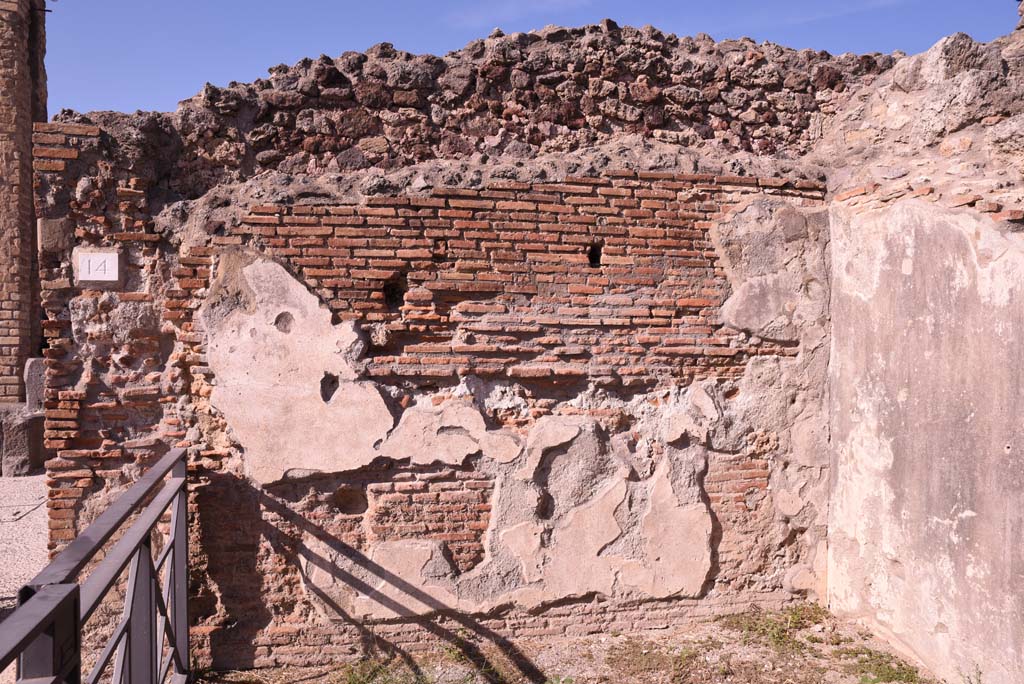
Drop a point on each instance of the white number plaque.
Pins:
(97, 267)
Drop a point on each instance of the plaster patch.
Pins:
(524, 542)
(924, 502)
(269, 376)
(449, 434)
(679, 567)
(574, 565)
(402, 585)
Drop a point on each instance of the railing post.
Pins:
(57, 652)
(142, 649)
(179, 570)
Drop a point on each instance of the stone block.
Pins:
(53, 235)
(100, 268)
(21, 450)
(35, 379)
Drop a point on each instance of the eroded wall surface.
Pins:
(492, 403)
(924, 375)
(925, 384)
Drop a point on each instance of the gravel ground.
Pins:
(22, 532)
(22, 538)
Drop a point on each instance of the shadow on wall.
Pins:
(233, 549)
(231, 545)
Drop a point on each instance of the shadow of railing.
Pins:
(470, 650)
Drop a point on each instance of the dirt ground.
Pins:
(801, 645)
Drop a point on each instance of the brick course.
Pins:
(511, 265)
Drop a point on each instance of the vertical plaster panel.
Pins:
(927, 441)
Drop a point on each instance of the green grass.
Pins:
(367, 671)
(637, 658)
(875, 667)
(377, 672)
(974, 677)
(778, 630)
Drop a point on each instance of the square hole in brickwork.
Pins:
(394, 291)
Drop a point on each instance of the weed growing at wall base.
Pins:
(779, 630)
(875, 667)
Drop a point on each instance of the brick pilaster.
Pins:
(22, 99)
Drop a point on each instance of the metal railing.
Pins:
(44, 634)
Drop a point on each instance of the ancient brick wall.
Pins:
(608, 278)
(606, 286)
(446, 376)
(23, 88)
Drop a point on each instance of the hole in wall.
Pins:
(215, 228)
(350, 500)
(682, 442)
(594, 254)
(284, 321)
(328, 386)
(394, 291)
(545, 505)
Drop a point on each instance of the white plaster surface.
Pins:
(271, 359)
(447, 434)
(928, 493)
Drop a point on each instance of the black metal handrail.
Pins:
(44, 633)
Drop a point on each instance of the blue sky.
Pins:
(149, 54)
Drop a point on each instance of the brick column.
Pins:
(22, 100)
